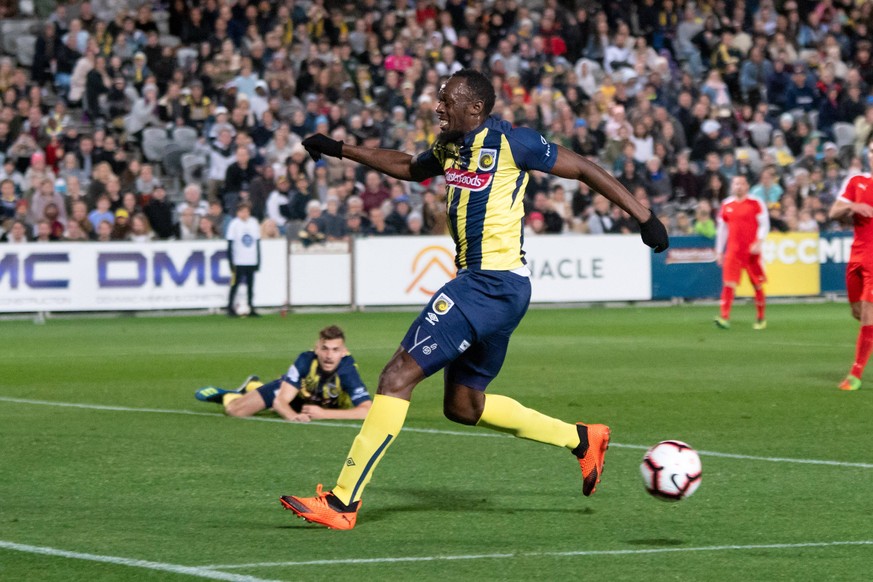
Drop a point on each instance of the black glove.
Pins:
(319, 144)
(654, 234)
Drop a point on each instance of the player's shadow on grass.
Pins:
(425, 500)
(657, 542)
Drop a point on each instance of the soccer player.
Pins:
(321, 384)
(465, 327)
(743, 224)
(856, 201)
(244, 254)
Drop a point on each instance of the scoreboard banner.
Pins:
(130, 276)
(564, 268)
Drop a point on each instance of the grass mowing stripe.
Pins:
(570, 554)
(425, 431)
(210, 573)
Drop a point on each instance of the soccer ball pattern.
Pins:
(671, 470)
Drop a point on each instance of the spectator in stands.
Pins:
(159, 212)
(332, 221)
(140, 229)
(768, 190)
(102, 213)
(17, 233)
(374, 193)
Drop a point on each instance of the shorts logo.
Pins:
(487, 159)
(442, 304)
(431, 318)
(427, 350)
(463, 347)
(350, 462)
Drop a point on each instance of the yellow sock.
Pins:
(380, 428)
(253, 385)
(506, 415)
(229, 397)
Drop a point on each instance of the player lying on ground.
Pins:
(465, 327)
(321, 384)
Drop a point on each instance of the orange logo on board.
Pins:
(435, 259)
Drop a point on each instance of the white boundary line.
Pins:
(210, 573)
(424, 431)
(541, 555)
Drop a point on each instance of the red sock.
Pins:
(760, 303)
(862, 350)
(727, 299)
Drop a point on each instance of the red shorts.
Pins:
(734, 264)
(859, 282)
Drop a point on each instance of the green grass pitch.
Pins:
(142, 482)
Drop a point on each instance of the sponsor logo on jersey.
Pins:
(468, 180)
(463, 347)
(431, 318)
(442, 304)
(487, 159)
(428, 350)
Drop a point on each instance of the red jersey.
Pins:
(860, 189)
(740, 224)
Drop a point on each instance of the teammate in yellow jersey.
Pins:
(465, 327)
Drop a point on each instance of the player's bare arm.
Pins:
(359, 412)
(282, 404)
(394, 163)
(576, 167)
(843, 209)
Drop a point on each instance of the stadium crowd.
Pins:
(138, 121)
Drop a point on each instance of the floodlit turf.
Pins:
(186, 492)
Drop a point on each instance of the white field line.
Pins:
(571, 554)
(409, 429)
(210, 573)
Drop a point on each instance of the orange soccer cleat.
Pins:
(851, 383)
(591, 459)
(324, 509)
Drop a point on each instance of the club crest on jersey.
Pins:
(442, 304)
(487, 160)
(468, 180)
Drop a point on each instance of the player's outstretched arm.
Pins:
(394, 163)
(576, 167)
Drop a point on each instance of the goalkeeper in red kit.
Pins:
(743, 224)
(856, 202)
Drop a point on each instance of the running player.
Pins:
(466, 325)
(743, 224)
(856, 201)
(321, 384)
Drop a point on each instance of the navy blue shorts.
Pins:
(465, 327)
(269, 391)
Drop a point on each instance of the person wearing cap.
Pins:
(855, 202)
(121, 225)
(743, 224)
(801, 94)
(466, 326)
(244, 255)
(400, 210)
(706, 141)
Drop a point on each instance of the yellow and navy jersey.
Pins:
(342, 388)
(486, 175)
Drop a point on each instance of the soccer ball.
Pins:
(671, 470)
